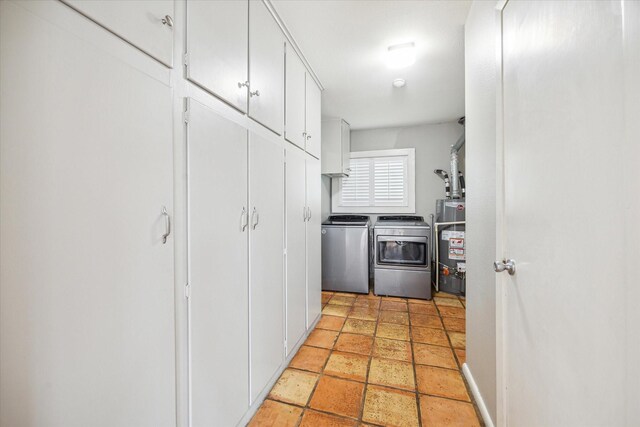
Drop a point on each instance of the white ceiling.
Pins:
(345, 42)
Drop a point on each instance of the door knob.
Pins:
(508, 265)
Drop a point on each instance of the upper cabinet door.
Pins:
(295, 99)
(217, 48)
(266, 68)
(314, 117)
(146, 24)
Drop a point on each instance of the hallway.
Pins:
(379, 361)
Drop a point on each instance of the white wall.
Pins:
(480, 108)
(432, 143)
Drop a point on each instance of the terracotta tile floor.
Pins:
(377, 361)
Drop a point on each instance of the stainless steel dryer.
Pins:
(345, 253)
(402, 265)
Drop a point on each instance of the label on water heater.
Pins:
(456, 253)
(456, 242)
(449, 234)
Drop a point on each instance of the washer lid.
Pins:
(348, 220)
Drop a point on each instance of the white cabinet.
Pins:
(217, 48)
(146, 24)
(296, 288)
(303, 106)
(313, 240)
(218, 267)
(266, 68)
(313, 117)
(266, 248)
(295, 126)
(336, 147)
(236, 263)
(87, 284)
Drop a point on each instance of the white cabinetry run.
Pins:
(121, 306)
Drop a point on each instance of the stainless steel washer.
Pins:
(402, 266)
(345, 253)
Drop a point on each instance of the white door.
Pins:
(146, 24)
(296, 279)
(87, 284)
(295, 99)
(314, 251)
(266, 68)
(568, 218)
(218, 267)
(217, 48)
(266, 259)
(314, 117)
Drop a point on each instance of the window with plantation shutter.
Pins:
(380, 182)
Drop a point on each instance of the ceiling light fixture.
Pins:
(399, 82)
(401, 55)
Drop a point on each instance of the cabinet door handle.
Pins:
(168, 21)
(304, 134)
(244, 218)
(308, 136)
(245, 84)
(255, 93)
(167, 225)
(255, 218)
(309, 218)
(304, 213)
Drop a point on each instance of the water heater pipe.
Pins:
(455, 175)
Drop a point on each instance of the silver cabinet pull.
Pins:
(304, 213)
(255, 217)
(308, 136)
(255, 93)
(309, 218)
(508, 265)
(168, 21)
(167, 225)
(304, 134)
(245, 84)
(244, 218)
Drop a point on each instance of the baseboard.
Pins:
(477, 396)
(263, 395)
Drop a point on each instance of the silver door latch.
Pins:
(508, 265)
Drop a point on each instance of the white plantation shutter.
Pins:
(389, 181)
(379, 181)
(356, 187)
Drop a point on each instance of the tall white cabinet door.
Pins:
(146, 24)
(266, 68)
(266, 259)
(314, 117)
(314, 263)
(217, 48)
(296, 247)
(295, 99)
(218, 268)
(87, 284)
